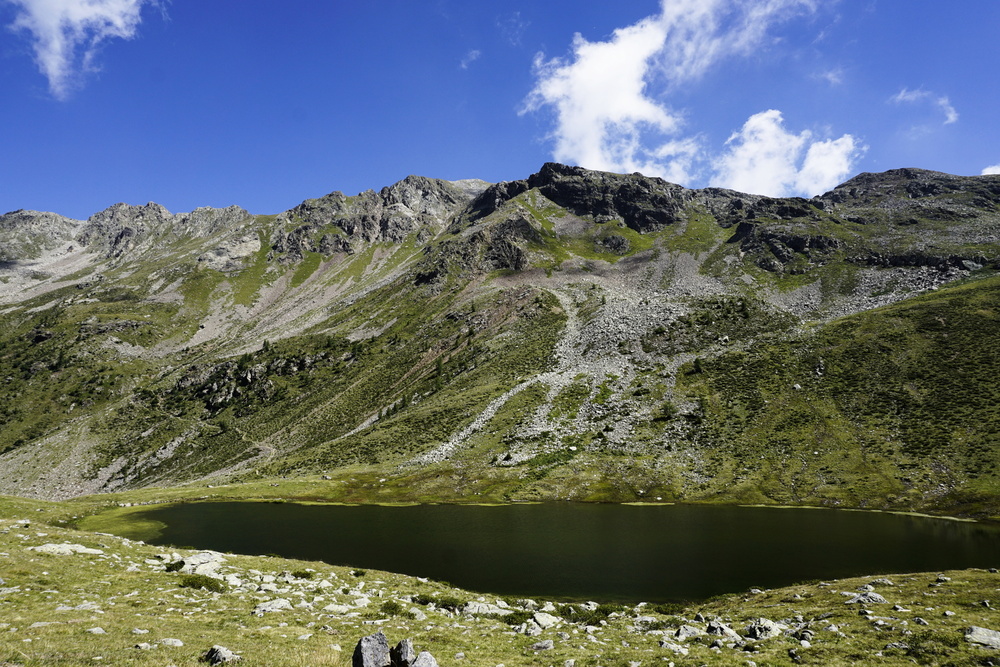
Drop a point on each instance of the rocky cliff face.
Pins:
(572, 334)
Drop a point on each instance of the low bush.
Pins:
(203, 581)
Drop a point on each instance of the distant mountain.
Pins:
(576, 334)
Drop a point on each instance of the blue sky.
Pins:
(262, 104)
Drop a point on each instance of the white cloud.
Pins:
(834, 77)
(907, 96)
(469, 58)
(992, 169)
(764, 158)
(608, 117)
(67, 33)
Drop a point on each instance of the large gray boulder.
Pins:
(218, 655)
(271, 606)
(372, 651)
(984, 636)
(762, 628)
(720, 629)
(403, 655)
(425, 659)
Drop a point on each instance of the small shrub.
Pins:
(517, 618)
(359, 573)
(175, 566)
(391, 608)
(668, 608)
(303, 574)
(449, 602)
(203, 581)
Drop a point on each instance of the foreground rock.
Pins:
(373, 651)
(983, 636)
(218, 655)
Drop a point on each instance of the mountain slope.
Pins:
(575, 334)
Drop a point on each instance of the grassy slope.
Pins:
(892, 407)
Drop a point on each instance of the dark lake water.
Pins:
(594, 552)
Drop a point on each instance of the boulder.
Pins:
(544, 645)
(720, 629)
(686, 632)
(867, 598)
(983, 636)
(372, 651)
(545, 620)
(425, 659)
(278, 604)
(674, 648)
(218, 655)
(203, 562)
(480, 608)
(762, 628)
(65, 549)
(403, 655)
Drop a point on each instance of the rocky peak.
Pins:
(641, 202)
(26, 234)
(414, 204)
(121, 227)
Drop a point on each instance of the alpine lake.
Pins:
(576, 551)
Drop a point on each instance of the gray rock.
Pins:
(278, 604)
(372, 651)
(720, 629)
(203, 562)
(477, 608)
(65, 549)
(144, 646)
(97, 631)
(762, 628)
(545, 620)
(425, 659)
(674, 648)
(403, 655)
(867, 598)
(544, 645)
(686, 632)
(530, 628)
(983, 636)
(170, 641)
(219, 654)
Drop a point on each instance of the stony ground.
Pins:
(76, 598)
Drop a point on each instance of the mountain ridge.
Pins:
(559, 336)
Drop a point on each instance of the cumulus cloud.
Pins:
(67, 33)
(907, 96)
(608, 99)
(992, 169)
(765, 158)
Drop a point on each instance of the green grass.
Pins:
(877, 408)
(306, 268)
